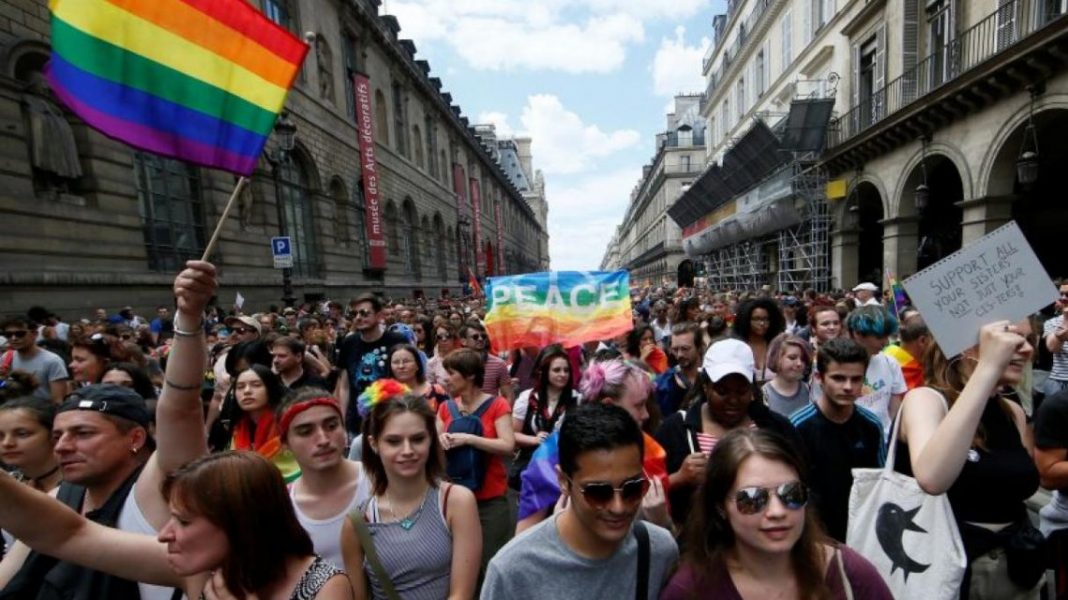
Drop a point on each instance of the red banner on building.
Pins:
(500, 237)
(476, 209)
(365, 134)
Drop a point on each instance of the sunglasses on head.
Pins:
(751, 500)
(601, 493)
(17, 334)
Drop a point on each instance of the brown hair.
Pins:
(709, 537)
(375, 423)
(948, 377)
(243, 494)
(466, 362)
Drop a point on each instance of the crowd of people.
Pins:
(381, 449)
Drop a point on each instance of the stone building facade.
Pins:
(114, 230)
(647, 242)
(949, 119)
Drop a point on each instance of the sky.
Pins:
(590, 81)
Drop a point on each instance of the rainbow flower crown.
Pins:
(378, 392)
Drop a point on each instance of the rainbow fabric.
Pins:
(541, 489)
(901, 299)
(379, 391)
(565, 307)
(198, 80)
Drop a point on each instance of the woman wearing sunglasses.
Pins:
(444, 342)
(752, 536)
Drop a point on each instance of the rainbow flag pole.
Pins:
(898, 295)
(197, 80)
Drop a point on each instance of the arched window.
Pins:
(171, 211)
(446, 168)
(381, 118)
(440, 243)
(400, 120)
(297, 218)
(417, 147)
(341, 214)
(425, 248)
(392, 237)
(409, 238)
(359, 212)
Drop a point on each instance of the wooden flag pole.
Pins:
(241, 183)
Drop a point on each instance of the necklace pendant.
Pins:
(406, 524)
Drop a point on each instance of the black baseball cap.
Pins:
(109, 399)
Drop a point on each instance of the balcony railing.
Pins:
(1002, 29)
(745, 28)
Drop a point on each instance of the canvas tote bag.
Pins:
(909, 535)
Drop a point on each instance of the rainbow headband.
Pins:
(299, 407)
(378, 392)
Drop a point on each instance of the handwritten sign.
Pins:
(997, 277)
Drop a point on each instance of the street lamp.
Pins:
(922, 196)
(286, 131)
(1027, 161)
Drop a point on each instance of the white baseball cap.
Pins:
(866, 287)
(727, 357)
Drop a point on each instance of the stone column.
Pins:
(845, 247)
(983, 215)
(900, 241)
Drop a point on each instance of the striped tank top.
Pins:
(418, 559)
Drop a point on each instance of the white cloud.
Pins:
(583, 215)
(572, 36)
(562, 143)
(677, 67)
(498, 120)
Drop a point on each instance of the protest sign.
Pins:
(997, 277)
(565, 307)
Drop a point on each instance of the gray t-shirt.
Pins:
(539, 565)
(44, 365)
(787, 405)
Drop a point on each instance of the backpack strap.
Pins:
(368, 545)
(641, 534)
(454, 411)
(481, 410)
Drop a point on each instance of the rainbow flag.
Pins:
(540, 488)
(901, 298)
(198, 80)
(473, 282)
(565, 307)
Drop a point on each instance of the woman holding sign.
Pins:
(961, 437)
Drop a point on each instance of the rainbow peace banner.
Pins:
(565, 307)
(198, 80)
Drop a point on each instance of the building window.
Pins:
(417, 146)
(409, 241)
(381, 118)
(727, 116)
(359, 210)
(279, 11)
(758, 74)
(341, 217)
(400, 126)
(740, 99)
(297, 219)
(787, 39)
(348, 49)
(940, 36)
(171, 211)
(431, 147)
(440, 243)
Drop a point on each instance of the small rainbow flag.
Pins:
(901, 299)
(473, 282)
(198, 80)
(565, 307)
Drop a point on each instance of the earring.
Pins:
(134, 450)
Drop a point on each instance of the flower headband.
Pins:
(379, 391)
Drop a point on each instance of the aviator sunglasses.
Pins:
(601, 493)
(751, 500)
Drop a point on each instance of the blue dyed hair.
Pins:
(871, 320)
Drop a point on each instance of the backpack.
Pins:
(466, 465)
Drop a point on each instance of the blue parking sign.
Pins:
(282, 250)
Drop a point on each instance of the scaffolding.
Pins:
(804, 250)
(794, 258)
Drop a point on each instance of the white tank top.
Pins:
(133, 520)
(326, 533)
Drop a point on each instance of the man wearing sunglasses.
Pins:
(838, 435)
(362, 355)
(25, 355)
(497, 381)
(594, 548)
